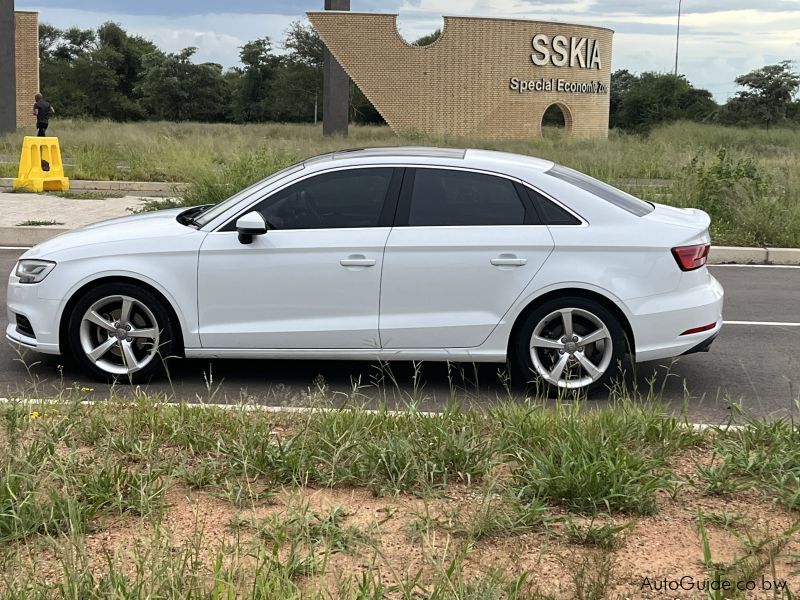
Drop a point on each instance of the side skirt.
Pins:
(425, 354)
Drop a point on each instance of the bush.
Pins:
(211, 187)
(746, 205)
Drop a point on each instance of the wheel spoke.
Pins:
(98, 352)
(566, 317)
(125, 314)
(127, 355)
(148, 333)
(595, 336)
(558, 368)
(587, 365)
(94, 317)
(538, 341)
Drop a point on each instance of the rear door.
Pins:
(464, 247)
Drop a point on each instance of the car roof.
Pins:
(490, 159)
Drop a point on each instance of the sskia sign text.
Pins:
(563, 51)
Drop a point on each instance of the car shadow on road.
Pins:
(396, 385)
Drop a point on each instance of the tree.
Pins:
(768, 98)
(297, 90)
(655, 98)
(125, 54)
(48, 38)
(622, 81)
(88, 72)
(175, 89)
(68, 75)
(427, 40)
(304, 45)
(252, 102)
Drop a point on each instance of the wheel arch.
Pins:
(78, 294)
(605, 301)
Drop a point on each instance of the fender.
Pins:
(190, 337)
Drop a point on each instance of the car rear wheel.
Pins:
(569, 343)
(122, 332)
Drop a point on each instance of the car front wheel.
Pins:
(570, 343)
(121, 331)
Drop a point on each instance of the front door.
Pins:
(313, 280)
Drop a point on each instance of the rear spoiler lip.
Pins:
(696, 219)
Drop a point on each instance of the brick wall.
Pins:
(459, 85)
(26, 34)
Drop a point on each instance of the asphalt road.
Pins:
(752, 363)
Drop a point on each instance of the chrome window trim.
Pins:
(236, 211)
(278, 189)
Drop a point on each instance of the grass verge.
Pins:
(136, 498)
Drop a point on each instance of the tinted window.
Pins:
(214, 211)
(618, 198)
(444, 197)
(350, 198)
(552, 213)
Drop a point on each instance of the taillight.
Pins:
(690, 258)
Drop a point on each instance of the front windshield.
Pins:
(213, 212)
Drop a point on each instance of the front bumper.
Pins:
(23, 299)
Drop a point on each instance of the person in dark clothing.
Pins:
(42, 109)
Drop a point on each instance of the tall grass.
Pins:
(219, 159)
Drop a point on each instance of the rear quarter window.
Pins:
(609, 193)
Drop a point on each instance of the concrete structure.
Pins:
(19, 66)
(483, 77)
(26, 41)
(8, 77)
(335, 86)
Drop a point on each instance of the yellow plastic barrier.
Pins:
(40, 166)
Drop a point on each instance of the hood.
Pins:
(134, 228)
(691, 218)
(129, 219)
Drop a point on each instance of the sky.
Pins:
(720, 39)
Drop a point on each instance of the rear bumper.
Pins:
(658, 322)
(703, 346)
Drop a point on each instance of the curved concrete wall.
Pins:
(463, 84)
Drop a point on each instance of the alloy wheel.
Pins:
(571, 348)
(119, 334)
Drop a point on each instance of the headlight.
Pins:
(33, 271)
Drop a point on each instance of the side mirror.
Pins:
(250, 225)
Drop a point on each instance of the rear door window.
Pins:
(442, 197)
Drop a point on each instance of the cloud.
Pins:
(180, 8)
(217, 36)
(187, 8)
(720, 39)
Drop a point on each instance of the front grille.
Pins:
(24, 327)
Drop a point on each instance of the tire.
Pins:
(128, 350)
(587, 368)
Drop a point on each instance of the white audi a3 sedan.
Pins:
(392, 254)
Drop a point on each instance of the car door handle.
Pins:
(509, 260)
(357, 260)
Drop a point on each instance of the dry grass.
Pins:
(175, 152)
(218, 159)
